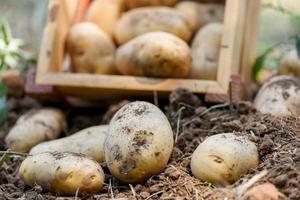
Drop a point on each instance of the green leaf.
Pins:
(298, 45)
(5, 32)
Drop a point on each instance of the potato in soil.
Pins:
(280, 96)
(139, 143)
(155, 54)
(200, 14)
(221, 159)
(205, 52)
(89, 141)
(62, 173)
(143, 20)
(105, 13)
(35, 127)
(141, 3)
(91, 50)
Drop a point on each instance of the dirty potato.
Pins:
(139, 143)
(200, 14)
(205, 52)
(105, 13)
(156, 54)
(280, 96)
(221, 159)
(62, 173)
(89, 141)
(143, 20)
(290, 64)
(35, 127)
(141, 3)
(90, 49)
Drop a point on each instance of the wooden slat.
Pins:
(128, 82)
(231, 41)
(250, 40)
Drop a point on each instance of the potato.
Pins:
(290, 64)
(14, 82)
(35, 127)
(90, 49)
(280, 96)
(141, 3)
(105, 13)
(139, 142)
(89, 141)
(143, 20)
(62, 173)
(156, 54)
(199, 14)
(221, 159)
(205, 52)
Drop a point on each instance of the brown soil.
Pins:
(276, 138)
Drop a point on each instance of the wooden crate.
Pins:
(236, 58)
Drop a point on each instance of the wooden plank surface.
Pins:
(250, 41)
(128, 82)
(231, 42)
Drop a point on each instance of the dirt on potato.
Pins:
(278, 141)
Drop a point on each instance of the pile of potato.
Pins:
(157, 38)
(135, 145)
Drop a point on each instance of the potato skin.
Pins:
(89, 141)
(105, 13)
(35, 127)
(143, 20)
(90, 49)
(156, 54)
(200, 14)
(62, 173)
(139, 143)
(290, 64)
(280, 96)
(205, 52)
(141, 3)
(221, 159)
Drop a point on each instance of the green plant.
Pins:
(11, 54)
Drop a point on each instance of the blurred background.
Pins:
(26, 19)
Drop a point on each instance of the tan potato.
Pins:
(14, 82)
(62, 173)
(280, 96)
(143, 20)
(221, 159)
(89, 141)
(35, 127)
(290, 64)
(205, 52)
(139, 143)
(90, 49)
(200, 14)
(141, 3)
(105, 13)
(155, 54)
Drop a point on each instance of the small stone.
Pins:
(144, 195)
(154, 188)
(266, 191)
(138, 187)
